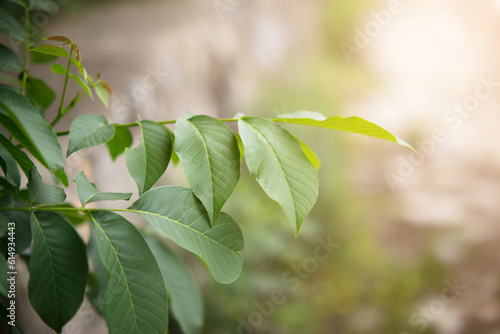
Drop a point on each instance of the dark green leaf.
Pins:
(121, 140)
(276, 160)
(95, 295)
(136, 300)
(20, 218)
(4, 269)
(22, 159)
(39, 92)
(9, 24)
(351, 124)
(87, 192)
(36, 133)
(89, 131)
(19, 2)
(209, 155)
(185, 297)
(147, 162)
(51, 50)
(49, 6)
(176, 212)
(9, 61)
(42, 193)
(9, 167)
(58, 269)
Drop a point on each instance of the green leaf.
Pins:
(87, 192)
(19, 2)
(136, 300)
(176, 212)
(58, 269)
(51, 50)
(21, 158)
(89, 131)
(276, 160)
(9, 61)
(58, 69)
(20, 218)
(209, 155)
(73, 103)
(80, 67)
(174, 157)
(185, 297)
(4, 269)
(147, 162)
(350, 124)
(95, 295)
(313, 158)
(33, 131)
(240, 146)
(102, 94)
(41, 58)
(121, 140)
(42, 193)
(39, 92)
(9, 24)
(82, 84)
(61, 39)
(9, 167)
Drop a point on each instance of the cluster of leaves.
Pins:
(141, 277)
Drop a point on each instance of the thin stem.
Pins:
(61, 106)
(26, 48)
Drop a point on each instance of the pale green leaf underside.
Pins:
(58, 268)
(33, 131)
(147, 162)
(276, 160)
(175, 211)
(89, 131)
(352, 124)
(42, 193)
(209, 155)
(185, 297)
(136, 299)
(87, 192)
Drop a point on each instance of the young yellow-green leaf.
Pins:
(350, 124)
(58, 269)
(9, 167)
(313, 158)
(208, 152)
(33, 131)
(87, 192)
(42, 193)
(102, 94)
(58, 69)
(10, 25)
(276, 160)
(51, 50)
(39, 92)
(185, 297)
(136, 300)
(121, 140)
(9, 61)
(147, 162)
(89, 131)
(177, 213)
(82, 84)
(81, 69)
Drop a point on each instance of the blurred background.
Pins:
(413, 238)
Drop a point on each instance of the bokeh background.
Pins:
(405, 227)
